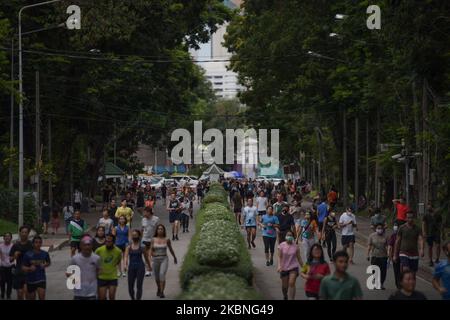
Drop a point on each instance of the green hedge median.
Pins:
(220, 286)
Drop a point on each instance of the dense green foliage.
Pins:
(125, 78)
(395, 81)
(219, 286)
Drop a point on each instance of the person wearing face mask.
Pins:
(308, 232)
(289, 262)
(377, 251)
(330, 226)
(395, 264)
(135, 255)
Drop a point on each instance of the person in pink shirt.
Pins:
(289, 262)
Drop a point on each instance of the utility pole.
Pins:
(11, 133)
(367, 159)
(38, 145)
(356, 163)
(115, 144)
(156, 158)
(50, 189)
(344, 158)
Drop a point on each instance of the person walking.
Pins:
(377, 251)
(308, 232)
(45, 216)
(261, 203)
(110, 258)
(159, 247)
(330, 226)
(135, 255)
(16, 254)
(174, 208)
(148, 227)
(99, 239)
(77, 197)
(68, 215)
(391, 251)
(340, 285)
(322, 213)
(269, 224)
(34, 264)
(441, 275)
(407, 289)
(105, 221)
(112, 211)
(125, 211)
(89, 264)
(409, 245)
(347, 222)
(54, 222)
(6, 267)
(237, 202)
(77, 228)
(249, 218)
(314, 271)
(432, 229)
(122, 235)
(286, 223)
(185, 213)
(289, 262)
(401, 208)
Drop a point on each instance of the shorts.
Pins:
(411, 264)
(288, 272)
(237, 210)
(174, 216)
(320, 226)
(298, 222)
(122, 247)
(261, 213)
(433, 239)
(84, 298)
(146, 243)
(107, 283)
(19, 281)
(45, 218)
(346, 240)
(32, 287)
(312, 295)
(250, 227)
(75, 244)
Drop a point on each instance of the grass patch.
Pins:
(7, 226)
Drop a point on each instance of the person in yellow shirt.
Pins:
(123, 210)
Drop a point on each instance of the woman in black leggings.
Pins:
(269, 223)
(134, 258)
(329, 232)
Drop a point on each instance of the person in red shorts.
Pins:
(402, 209)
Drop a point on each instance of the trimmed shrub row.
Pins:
(217, 264)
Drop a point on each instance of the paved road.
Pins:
(56, 280)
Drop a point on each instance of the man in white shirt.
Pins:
(149, 223)
(261, 204)
(77, 197)
(347, 222)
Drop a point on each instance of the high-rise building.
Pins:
(213, 57)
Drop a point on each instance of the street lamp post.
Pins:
(21, 164)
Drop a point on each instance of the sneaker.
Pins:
(437, 261)
(173, 237)
(148, 273)
(162, 296)
(124, 275)
(431, 264)
(271, 262)
(267, 263)
(253, 244)
(158, 293)
(176, 237)
(119, 274)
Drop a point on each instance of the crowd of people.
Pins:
(120, 247)
(303, 232)
(295, 234)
